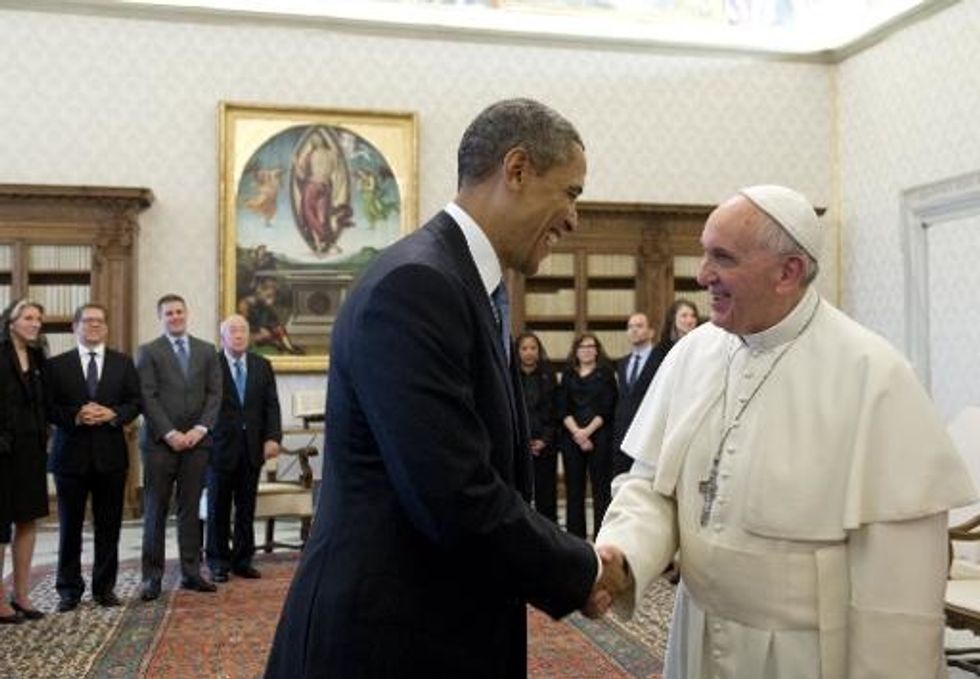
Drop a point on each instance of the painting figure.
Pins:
(265, 327)
(263, 201)
(376, 207)
(320, 180)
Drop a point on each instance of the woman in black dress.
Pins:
(538, 383)
(23, 456)
(586, 401)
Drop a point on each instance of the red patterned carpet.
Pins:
(227, 635)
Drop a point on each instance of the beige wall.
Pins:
(908, 116)
(116, 101)
(125, 101)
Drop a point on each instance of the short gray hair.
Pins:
(776, 239)
(541, 131)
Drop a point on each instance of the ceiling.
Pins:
(824, 29)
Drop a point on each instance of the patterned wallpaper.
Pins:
(119, 101)
(908, 112)
(954, 278)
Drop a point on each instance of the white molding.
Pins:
(924, 207)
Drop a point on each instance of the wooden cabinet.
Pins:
(66, 245)
(623, 258)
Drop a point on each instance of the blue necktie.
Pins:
(634, 371)
(92, 376)
(501, 305)
(182, 358)
(240, 381)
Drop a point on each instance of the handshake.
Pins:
(613, 582)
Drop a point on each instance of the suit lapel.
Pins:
(450, 233)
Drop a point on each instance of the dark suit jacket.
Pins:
(631, 396)
(252, 425)
(78, 448)
(423, 549)
(171, 401)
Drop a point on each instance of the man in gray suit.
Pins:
(181, 383)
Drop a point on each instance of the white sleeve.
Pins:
(898, 585)
(642, 523)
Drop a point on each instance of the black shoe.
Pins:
(151, 590)
(198, 584)
(28, 613)
(107, 600)
(67, 604)
(219, 575)
(249, 572)
(14, 619)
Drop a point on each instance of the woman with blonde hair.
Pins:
(23, 458)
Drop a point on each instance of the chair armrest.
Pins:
(303, 454)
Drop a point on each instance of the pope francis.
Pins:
(796, 465)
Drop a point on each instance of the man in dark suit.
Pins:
(92, 392)
(424, 550)
(634, 371)
(248, 433)
(181, 384)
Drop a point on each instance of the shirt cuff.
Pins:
(201, 428)
(598, 573)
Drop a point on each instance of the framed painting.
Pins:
(307, 199)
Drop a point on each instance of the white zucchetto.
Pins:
(792, 211)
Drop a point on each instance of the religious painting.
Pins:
(308, 198)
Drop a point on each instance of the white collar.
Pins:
(642, 353)
(84, 351)
(787, 329)
(487, 264)
(231, 359)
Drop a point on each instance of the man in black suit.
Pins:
(634, 371)
(248, 433)
(181, 384)
(92, 392)
(424, 550)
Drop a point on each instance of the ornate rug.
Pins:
(226, 635)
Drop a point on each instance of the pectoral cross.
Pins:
(708, 488)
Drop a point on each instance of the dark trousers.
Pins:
(162, 469)
(598, 464)
(545, 483)
(224, 488)
(107, 491)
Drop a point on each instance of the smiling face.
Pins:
(91, 329)
(27, 326)
(173, 317)
(685, 321)
(542, 210)
(748, 283)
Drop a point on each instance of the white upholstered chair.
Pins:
(278, 498)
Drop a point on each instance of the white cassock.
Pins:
(823, 554)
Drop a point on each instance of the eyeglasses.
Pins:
(587, 346)
(92, 321)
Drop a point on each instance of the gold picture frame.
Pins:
(308, 197)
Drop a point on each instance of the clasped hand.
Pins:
(615, 580)
(93, 413)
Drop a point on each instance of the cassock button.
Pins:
(748, 374)
(731, 450)
(725, 474)
(717, 527)
(716, 653)
(716, 626)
